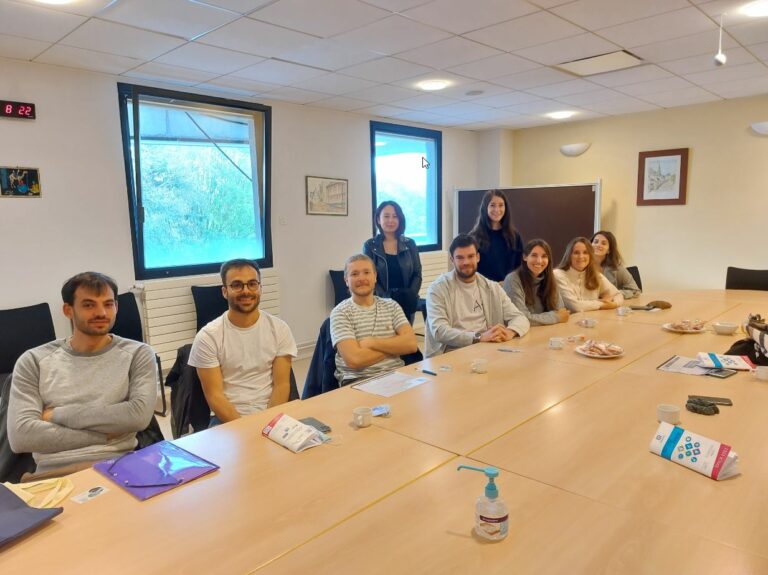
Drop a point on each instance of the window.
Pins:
(406, 167)
(197, 169)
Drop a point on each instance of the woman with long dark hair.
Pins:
(580, 282)
(533, 289)
(608, 257)
(501, 246)
(396, 258)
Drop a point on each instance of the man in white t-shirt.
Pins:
(244, 356)
(464, 307)
(369, 333)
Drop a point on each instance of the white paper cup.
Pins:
(761, 372)
(587, 322)
(479, 365)
(668, 413)
(623, 310)
(362, 416)
(556, 343)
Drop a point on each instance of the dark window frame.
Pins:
(402, 130)
(133, 92)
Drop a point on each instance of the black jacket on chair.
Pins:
(321, 377)
(188, 404)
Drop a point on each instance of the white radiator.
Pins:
(169, 314)
(433, 264)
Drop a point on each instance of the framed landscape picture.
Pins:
(327, 196)
(662, 177)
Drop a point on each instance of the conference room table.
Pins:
(570, 435)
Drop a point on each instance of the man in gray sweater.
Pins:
(464, 307)
(83, 398)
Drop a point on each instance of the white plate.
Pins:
(596, 355)
(668, 327)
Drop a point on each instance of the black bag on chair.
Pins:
(755, 347)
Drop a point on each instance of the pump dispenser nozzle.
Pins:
(491, 491)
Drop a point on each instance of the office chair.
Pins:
(741, 278)
(340, 290)
(12, 465)
(635, 273)
(21, 329)
(209, 304)
(128, 325)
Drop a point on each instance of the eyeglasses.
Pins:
(253, 285)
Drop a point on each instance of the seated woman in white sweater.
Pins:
(532, 286)
(580, 282)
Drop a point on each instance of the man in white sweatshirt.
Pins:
(464, 308)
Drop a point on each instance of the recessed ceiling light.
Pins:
(562, 115)
(432, 85)
(755, 9)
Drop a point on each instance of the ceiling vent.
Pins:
(600, 64)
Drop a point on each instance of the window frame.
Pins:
(135, 207)
(402, 130)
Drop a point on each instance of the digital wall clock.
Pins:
(21, 110)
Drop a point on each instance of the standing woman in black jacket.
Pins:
(501, 247)
(396, 258)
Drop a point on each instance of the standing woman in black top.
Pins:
(396, 258)
(501, 247)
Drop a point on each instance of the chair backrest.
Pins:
(128, 320)
(740, 278)
(635, 273)
(209, 304)
(340, 290)
(21, 329)
(12, 465)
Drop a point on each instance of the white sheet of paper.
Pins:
(390, 384)
(680, 364)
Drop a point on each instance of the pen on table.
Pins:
(428, 372)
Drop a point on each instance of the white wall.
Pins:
(81, 222)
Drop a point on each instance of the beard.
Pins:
(244, 303)
(90, 327)
(467, 273)
(362, 290)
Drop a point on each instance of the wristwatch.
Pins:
(476, 337)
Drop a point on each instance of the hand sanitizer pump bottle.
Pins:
(491, 513)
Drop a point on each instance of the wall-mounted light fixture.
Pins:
(573, 150)
(760, 128)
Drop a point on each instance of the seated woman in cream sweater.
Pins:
(580, 282)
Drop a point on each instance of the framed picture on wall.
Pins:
(327, 196)
(662, 177)
(19, 182)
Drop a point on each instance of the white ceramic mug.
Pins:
(479, 365)
(761, 372)
(362, 416)
(668, 412)
(556, 343)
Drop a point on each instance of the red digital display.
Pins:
(22, 110)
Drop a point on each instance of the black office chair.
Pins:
(209, 304)
(340, 290)
(635, 273)
(741, 278)
(12, 465)
(128, 325)
(21, 329)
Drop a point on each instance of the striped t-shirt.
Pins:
(351, 321)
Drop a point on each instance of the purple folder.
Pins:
(155, 469)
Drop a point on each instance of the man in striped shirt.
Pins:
(369, 333)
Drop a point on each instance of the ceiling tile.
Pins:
(208, 58)
(324, 19)
(277, 72)
(740, 88)
(327, 54)
(460, 92)
(396, 5)
(425, 102)
(452, 79)
(494, 67)
(532, 30)
(296, 95)
(342, 103)
(600, 95)
(449, 52)
(596, 14)
(81, 7)
(728, 74)
(384, 94)
(391, 35)
(20, 48)
(460, 16)
(386, 70)
(753, 32)
(382, 110)
(728, 7)
(625, 105)
(239, 6)
(242, 85)
(533, 78)
(35, 22)
(460, 109)
(87, 60)
(176, 17)
(705, 62)
(422, 117)
(252, 37)
(172, 74)
(760, 50)
(684, 97)
(477, 127)
(334, 84)
(693, 45)
(568, 49)
(658, 28)
(492, 116)
(511, 98)
(539, 107)
(563, 88)
(226, 91)
(630, 76)
(122, 40)
(655, 86)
